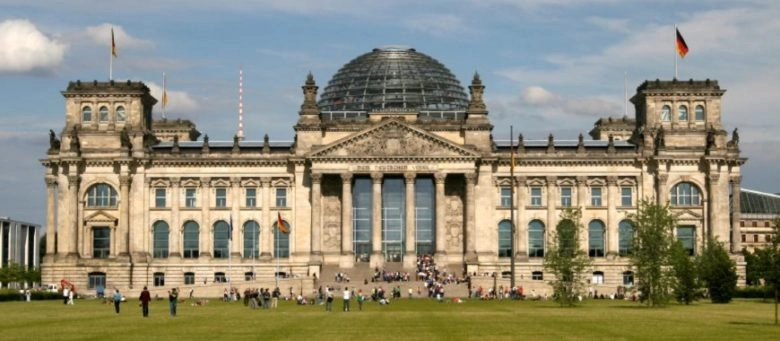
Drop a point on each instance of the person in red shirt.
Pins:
(145, 298)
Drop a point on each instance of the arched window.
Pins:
(160, 229)
(685, 194)
(251, 239)
(596, 238)
(682, 112)
(598, 277)
(103, 114)
(96, 280)
(86, 114)
(101, 195)
(628, 278)
(282, 240)
(666, 113)
(121, 115)
(505, 238)
(699, 113)
(535, 239)
(191, 239)
(625, 237)
(221, 239)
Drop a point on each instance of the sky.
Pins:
(549, 66)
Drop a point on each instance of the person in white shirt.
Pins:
(347, 295)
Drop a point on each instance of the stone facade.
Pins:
(131, 209)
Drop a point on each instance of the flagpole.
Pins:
(276, 254)
(512, 208)
(230, 258)
(675, 51)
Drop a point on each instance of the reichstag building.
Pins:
(395, 158)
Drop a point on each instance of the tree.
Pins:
(684, 270)
(717, 271)
(752, 267)
(769, 259)
(566, 260)
(653, 226)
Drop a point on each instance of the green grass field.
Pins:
(418, 319)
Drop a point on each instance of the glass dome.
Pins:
(393, 78)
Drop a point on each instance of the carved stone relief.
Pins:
(454, 215)
(331, 216)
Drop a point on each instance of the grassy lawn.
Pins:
(418, 319)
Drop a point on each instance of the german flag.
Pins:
(281, 225)
(113, 44)
(682, 47)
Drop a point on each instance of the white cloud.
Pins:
(537, 95)
(437, 25)
(179, 102)
(610, 24)
(25, 48)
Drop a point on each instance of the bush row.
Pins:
(13, 295)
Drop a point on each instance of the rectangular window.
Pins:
(626, 197)
(189, 278)
(101, 242)
(159, 197)
(221, 197)
(159, 279)
(251, 197)
(536, 196)
(189, 197)
(628, 278)
(566, 196)
(248, 276)
(219, 277)
(595, 196)
(281, 197)
(96, 280)
(537, 276)
(506, 197)
(686, 234)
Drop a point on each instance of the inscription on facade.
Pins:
(392, 168)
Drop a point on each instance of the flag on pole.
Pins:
(164, 94)
(113, 44)
(280, 224)
(682, 47)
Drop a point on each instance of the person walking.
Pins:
(145, 298)
(70, 295)
(360, 299)
(65, 294)
(117, 299)
(328, 299)
(173, 300)
(347, 296)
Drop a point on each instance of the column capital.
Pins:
(316, 178)
(73, 180)
(235, 180)
(520, 180)
(612, 180)
(440, 177)
(51, 181)
(735, 179)
(346, 177)
(551, 179)
(125, 180)
(265, 182)
(377, 177)
(410, 177)
(205, 181)
(662, 177)
(175, 181)
(714, 177)
(581, 179)
(471, 178)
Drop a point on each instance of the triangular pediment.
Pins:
(686, 214)
(100, 217)
(392, 138)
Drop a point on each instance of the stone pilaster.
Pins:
(552, 203)
(206, 230)
(236, 244)
(736, 237)
(613, 199)
(122, 237)
(267, 233)
(347, 255)
(51, 188)
(521, 226)
(376, 221)
(410, 258)
(471, 213)
(70, 235)
(175, 236)
(441, 239)
(316, 215)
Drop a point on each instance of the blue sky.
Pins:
(549, 66)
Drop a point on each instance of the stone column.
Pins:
(122, 237)
(613, 200)
(521, 226)
(267, 232)
(410, 259)
(441, 239)
(347, 259)
(552, 203)
(175, 236)
(661, 191)
(736, 237)
(316, 215)
(236, 244)
(582, 203)
(471, 213)
(206, 230)
(51, 186)
(713, 200)
(376, 221)
(71, 234)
